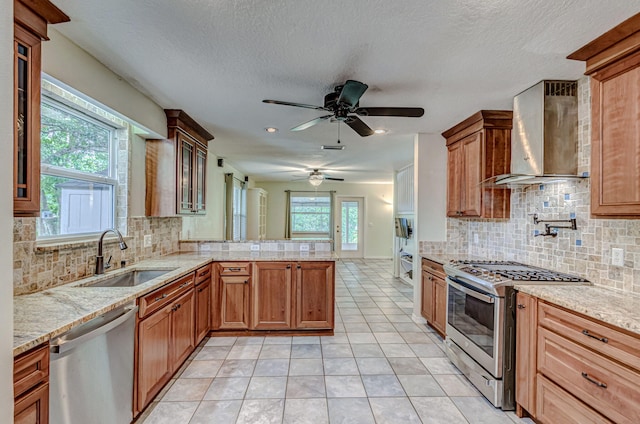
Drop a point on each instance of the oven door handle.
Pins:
(472, 293)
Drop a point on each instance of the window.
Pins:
(78, 172)
(239, 211)
(311, 215)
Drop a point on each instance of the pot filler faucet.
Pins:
(99, 258)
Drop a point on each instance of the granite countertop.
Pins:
(610, 306)
(38, 317)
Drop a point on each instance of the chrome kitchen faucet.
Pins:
(100, 258)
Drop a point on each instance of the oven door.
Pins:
(474, 320)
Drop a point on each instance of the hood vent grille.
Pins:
(561, 88)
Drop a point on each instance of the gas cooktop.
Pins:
(490, 275)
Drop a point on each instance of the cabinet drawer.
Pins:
(29, 369)
(601, 338)
(554, 405)
(33, 408)
(433, 267)
(159, 298)
(607, 386)
(234, 268)
(203, 274)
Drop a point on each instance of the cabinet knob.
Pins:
(246, 281)
(521, 306)
(298, 266)
(288, 266)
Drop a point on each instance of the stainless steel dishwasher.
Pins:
(91, 371)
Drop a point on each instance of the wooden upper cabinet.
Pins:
(30, 28)
(176, 168)
(479, 148)
(613, 62)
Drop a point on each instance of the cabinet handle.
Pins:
(201, 290)
(235, 269)
(202, 274)
(602, 339)
(289, 266)
(184, 284)
(161, 297)
(246, 281)
(594, 381)
(521, 306)
(298, 266)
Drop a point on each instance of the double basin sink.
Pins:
(131, 278)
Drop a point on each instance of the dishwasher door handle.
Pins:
(65, 346)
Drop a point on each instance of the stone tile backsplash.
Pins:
(586, 252)
(38, 267)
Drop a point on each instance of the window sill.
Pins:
(76, 243)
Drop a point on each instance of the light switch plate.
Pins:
(617, 256)
(255, 247)
(147, 240)
(304, 247)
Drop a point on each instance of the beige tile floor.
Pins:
(379, 367)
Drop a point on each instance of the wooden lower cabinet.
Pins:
(203, 299)
(585, 371)
(31, 386)
(434, 296)
(526, 334)
(272, 296)
(234, 302)
(33, 408)
(165, 339)
(315, 295)
(427, 296)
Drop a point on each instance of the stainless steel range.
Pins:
(481, 321)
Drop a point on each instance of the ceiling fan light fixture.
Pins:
(380, 131)
(316, 180)
(271, 130)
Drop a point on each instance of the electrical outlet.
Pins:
(617, 256)
(304, 247)
(255, 247)
(147, 240)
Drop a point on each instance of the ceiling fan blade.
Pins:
(358, 126)
(351, 93)
(409, 112)
(278, 102)
(311, 123)
(333, 179)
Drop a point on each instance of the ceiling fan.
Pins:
(344, 105)
(316, 178)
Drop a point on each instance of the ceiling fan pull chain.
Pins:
(338, 132)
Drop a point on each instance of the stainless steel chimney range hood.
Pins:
(544, 139)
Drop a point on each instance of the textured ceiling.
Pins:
(217, 59)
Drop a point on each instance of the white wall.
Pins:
(6, 211)
(378, 220)
(430, 187)
(430, 194)
(211, 225)
(69, 64)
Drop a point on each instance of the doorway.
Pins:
(349, 232)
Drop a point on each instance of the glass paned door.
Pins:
(349, 228)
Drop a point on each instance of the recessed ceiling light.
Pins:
(380, 131)
(271, 129)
